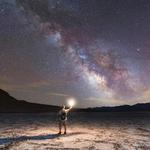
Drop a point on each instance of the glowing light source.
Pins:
(71, 102)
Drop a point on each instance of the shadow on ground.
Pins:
(38, 137)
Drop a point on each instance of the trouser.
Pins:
(62, 123)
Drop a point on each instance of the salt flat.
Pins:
(101, 131)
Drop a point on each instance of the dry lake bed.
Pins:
(87, 131)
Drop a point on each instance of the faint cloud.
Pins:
(59, 94)
(104, 102)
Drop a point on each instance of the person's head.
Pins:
(63, 107)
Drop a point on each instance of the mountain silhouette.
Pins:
(9, 104)
(122, 108)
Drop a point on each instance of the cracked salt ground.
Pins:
(99, 134)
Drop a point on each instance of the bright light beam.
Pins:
(71, 102)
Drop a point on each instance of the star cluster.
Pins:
(96, 51)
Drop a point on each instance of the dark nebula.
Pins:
(94, 50)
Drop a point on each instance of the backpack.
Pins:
(63, 115)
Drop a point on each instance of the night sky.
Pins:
(97, 51)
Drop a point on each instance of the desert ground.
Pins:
(86, 131)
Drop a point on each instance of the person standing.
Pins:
(62, 114)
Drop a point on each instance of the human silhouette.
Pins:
(62, 114)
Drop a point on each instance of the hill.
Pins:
(122, 108)
(9, 104)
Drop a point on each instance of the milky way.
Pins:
(95, 51)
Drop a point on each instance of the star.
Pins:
(89, 50)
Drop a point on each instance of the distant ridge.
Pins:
(9, 104)
(122, 108)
